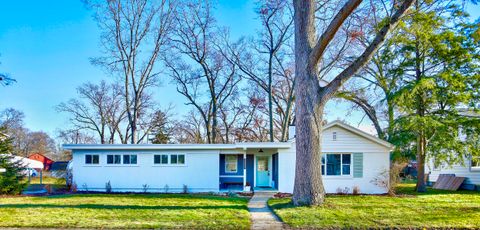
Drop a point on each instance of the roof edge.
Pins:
(245, 145)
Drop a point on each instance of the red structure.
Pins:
(47, 162)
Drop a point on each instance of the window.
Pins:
(475, 163)
(177, 159)
(129, 159)
(334, 136)
(114, 159)
(336, 164)
(231, 163)
(160, 159)
(92, 159)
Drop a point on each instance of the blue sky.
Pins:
(46, 46)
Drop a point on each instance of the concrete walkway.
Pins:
(261, 215)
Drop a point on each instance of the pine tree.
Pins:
(440, 75)
(12, 180)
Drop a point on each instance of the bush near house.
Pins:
(409, 210)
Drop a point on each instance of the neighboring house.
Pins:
(29, 164)
(469, 168)
(47, 162)
(352, 158)
(59, 169)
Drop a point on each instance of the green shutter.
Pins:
(358, 165)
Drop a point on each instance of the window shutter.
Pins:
(358, 165)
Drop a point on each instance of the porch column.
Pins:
(244, 170)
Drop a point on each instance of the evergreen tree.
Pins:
(12, 180)
(440, 75)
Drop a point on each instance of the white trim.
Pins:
(234, 176)
(244, 170)
(360, 133)
(341, 165)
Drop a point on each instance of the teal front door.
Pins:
(263, 171)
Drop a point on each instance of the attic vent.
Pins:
(334, 136)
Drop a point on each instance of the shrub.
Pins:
(12, 180)
(356, 190)
(343, 191)
(108, 187)
(85, 187)
(389, 178)
(73, 187)
(145, 188)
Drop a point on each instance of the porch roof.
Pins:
(242, 145)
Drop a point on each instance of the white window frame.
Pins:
(324, 171)
(92, 163)
(334, 136)
(235, 157)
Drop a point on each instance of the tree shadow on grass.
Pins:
(148, 196)
(120, 207)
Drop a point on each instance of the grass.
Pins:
(46, 180)
(125, 211)
(56, 184)
(434, 209)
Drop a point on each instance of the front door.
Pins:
(263, 171)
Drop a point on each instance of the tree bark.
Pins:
(308, 188)
(421, 145)
(311, 98)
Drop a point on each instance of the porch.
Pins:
(249, 170)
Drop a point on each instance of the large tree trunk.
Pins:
(421, 145)
(308, 188)
(311, 98)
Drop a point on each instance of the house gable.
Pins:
(340, 137)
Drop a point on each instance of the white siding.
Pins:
(286, 169)
(376, 159)
(472, 177)
(349, 142)
(200, 173)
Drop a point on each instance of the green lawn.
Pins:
(435, 209)
(125, 211)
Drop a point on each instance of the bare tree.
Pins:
(13, 122)
(5, 79)
(74, 136)
(311, 97)
(200, 64)
(95, 110)
(25, 141)
(189, 130)
(134, 35)
(263, 59)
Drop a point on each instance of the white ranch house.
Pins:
(351, 158)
